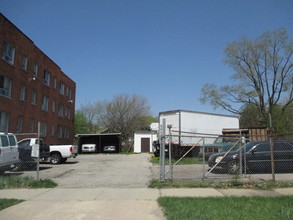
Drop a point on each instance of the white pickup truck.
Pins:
(59, 153)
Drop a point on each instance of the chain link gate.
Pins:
(230, 157)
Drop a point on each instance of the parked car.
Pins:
(221, 144)
(27, 157)
(9, 155)
(109, 148)
(256, 156)
(88, 148)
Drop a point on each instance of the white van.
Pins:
(9, 155)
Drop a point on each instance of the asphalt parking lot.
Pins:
(98, 170)
(128, 171)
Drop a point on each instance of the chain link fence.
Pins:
(208, 157)
(31, 154)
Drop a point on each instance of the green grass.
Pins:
(11, 182)
(185, 161)
(226, 208)
(235, 183)
(5, 203)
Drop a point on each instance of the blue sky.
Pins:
(163, 50)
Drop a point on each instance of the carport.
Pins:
(100, 140)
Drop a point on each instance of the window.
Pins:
(53, 106)
(53, 130)
(8, 53)
(5, 86)
(22, 93)
(31, 125)
(12, 140)
(19, 125)
(4, 141)
(59, 134)
(60, 110)
(24, 63)
(262, 147)
(43, 129)
(45, 103)
(4, 118)
(46, 78)
(62, 88)
(67, 112)
(34, 97)
(36, 70)
(70, 93)
(55, 83)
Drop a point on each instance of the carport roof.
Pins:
(105, 134)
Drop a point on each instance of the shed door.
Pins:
(145, 145)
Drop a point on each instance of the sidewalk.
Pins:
(107, 203)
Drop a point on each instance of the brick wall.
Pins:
(24, 78)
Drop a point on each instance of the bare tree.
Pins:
(92, 113)
(125, 114)
(263, 75)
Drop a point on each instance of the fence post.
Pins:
(203, 158)
(272, 150)
(241, 158)
(243, 146)
(170, 154)
(162, 151)
(38, 159)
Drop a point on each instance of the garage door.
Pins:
(145, 145)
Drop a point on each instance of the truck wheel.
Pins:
(56, 158)
(233, 167)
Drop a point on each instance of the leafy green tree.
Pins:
(80, 123)
(250, 117)
(263, 78)
(93, 113)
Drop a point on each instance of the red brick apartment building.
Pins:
(33, 89)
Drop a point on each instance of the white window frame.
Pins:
(55, 83)
(43, 129)
(62, 88)
(36, 70)
(53, 106)
(46, 77)
(61, 110)
(4, 121)
(34, 97)
(5, 86)
(19, 125)
(70, 93)
(8, 52)
(22, 93)
(24, 63)
(45, 103)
